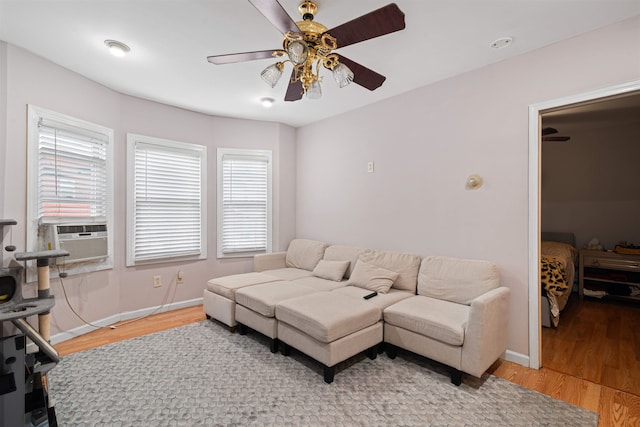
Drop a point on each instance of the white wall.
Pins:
(590, 184)
(33, 80)
(425, 143)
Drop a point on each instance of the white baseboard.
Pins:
(519, 358)
(81, 330)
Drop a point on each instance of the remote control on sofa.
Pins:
(371, 295)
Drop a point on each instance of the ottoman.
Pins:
(256, 306)
(329, 327)
(219, 298)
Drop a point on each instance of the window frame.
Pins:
(169, 145)
(33, 242)
(260, 153)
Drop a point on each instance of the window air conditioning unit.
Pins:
(85, 242)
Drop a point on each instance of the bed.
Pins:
(558, 258)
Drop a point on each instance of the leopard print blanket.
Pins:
(553, 275)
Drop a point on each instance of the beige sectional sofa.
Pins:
(311, 298)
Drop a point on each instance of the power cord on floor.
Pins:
(62, 275)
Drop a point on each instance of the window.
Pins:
(69, 179)
(244, 202)
(166, 202)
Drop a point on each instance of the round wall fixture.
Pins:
(474, 182)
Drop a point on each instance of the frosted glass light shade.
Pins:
(342, 75)
(272, 73)
(298, 52)
(314, 91)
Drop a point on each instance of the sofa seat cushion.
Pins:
(304, 253)
(381, 301)
(327, 316)
(227, 286)
(456, 280)
(320, 284)
(263, 298)
(441, 320)
(289, 273)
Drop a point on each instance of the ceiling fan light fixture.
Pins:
(117, 48)
(314, 91)
(308, 45)
(272, 73)
(298, 52)
(342, 75)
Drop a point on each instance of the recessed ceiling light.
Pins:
(117, 48)
(267, 102)
(501, 42)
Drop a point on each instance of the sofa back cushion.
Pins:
(406, 265)
(304, 253)
(344, 253)
(456, 280)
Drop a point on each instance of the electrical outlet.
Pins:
(180, 277)
(370, 167)
(157, 281)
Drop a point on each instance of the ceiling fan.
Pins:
(308, 45)
(551, 131)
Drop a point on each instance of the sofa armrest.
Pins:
(486, 331)
(272, 261)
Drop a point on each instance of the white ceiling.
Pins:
(170, 40)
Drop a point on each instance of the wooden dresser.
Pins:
(609, 269)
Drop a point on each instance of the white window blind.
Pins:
(244, 202)
(167, 204)
(72, 171)
(69, 181)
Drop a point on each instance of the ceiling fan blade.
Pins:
(362, 75)
(294, 90)
(556, 138)
(275, 13)
(549, 131)
(387, 19)
(240, 57)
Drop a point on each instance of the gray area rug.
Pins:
(202, 375)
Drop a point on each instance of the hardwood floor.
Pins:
(125, 330)
(598, 341)
(616, 408)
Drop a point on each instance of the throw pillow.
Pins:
(304, 253)
(374, 278)
(331, 270)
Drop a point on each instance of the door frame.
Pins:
(535, 147)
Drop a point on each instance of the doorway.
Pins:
(589, 174)
(535, 120)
